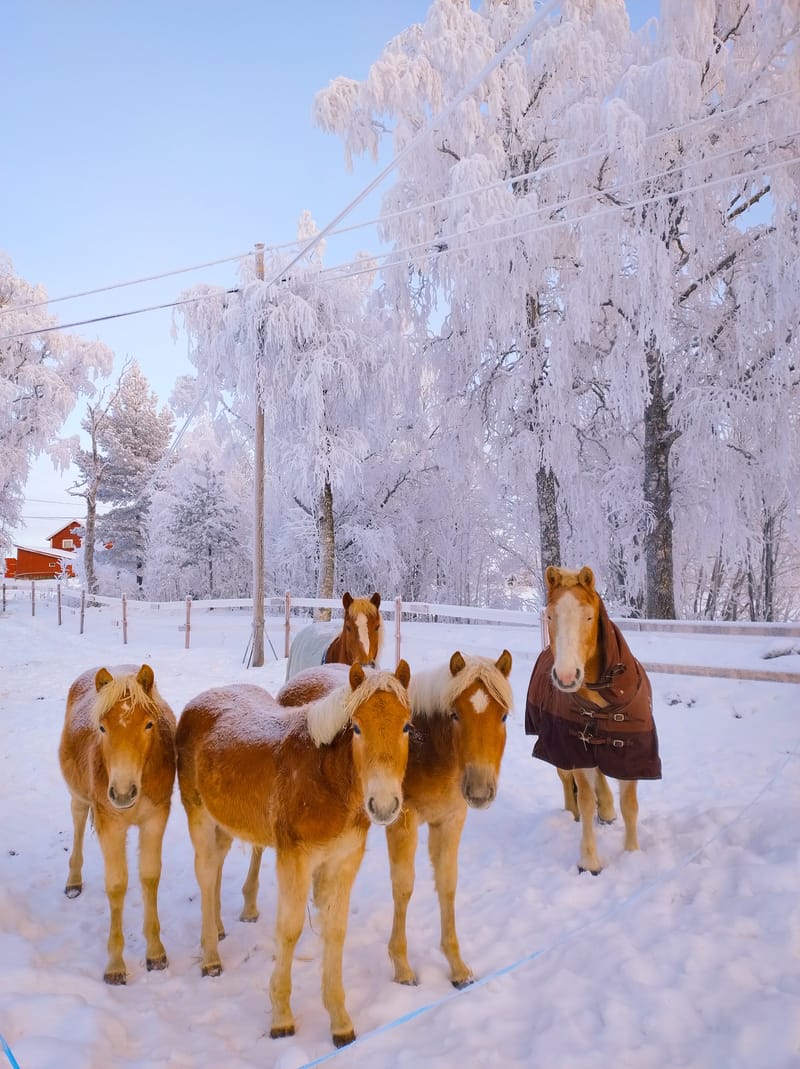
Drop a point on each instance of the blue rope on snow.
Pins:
(8, 1052)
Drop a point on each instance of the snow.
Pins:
(684, 954)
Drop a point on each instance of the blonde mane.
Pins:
(121, 687)
(434, 691)
(328, 716)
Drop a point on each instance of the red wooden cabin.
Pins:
(54, 563)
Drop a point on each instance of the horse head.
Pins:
(380, 717)
(573, 614)
(479, 702)
(362, 633)
(125, 713)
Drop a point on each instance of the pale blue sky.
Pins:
(145, 136)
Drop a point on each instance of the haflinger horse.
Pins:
(359, 640)
(306, 781)
(590, 702)
(117, 756)
(457, 744)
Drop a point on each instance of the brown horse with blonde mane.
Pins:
(306, 781)
(590, 702)
(117, 756)
(457, 743)
(358, 641)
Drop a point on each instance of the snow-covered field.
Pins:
(686, 954)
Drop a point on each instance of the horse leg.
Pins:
(250, 886)
(151, 835)
(80, 812)
(210, 848)
(587, 806)
(293, 873)
(606, 813)
(333, 881)
(401, 839)
(111, 834)
(629, 804)
(443, 842)
(568, 784)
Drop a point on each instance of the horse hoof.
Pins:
(116, 979)
(594, 872)
(606, 820)
(412, 981)
(157, 964)
(72, 890)
(343, 1039)
(459, 985)
(249, 918)
(281, 1033)
(212, 970)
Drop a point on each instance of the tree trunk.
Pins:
(658, 441)
(549, 537)
(88, 544)
(327, 549)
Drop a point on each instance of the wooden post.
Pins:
(188, 619)
(398, 612)
(257, 659)
(545, 634)
(4, 597)
(83, 608)
(58, 597)
(125, 619)
(33, 598)
(287, 623)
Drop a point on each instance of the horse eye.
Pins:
(356, 729)
(102, 730)
(406, 728)
(505, 717)
(148, 725)
(454, 716)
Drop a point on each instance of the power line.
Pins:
(540, 172)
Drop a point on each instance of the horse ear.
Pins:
(357, 676)
(145, 678)
(503, 663)
(403, 673)
(376, 600)
(586, 577)
(552, 576)
(102, 679)
(347, 600)
(457, 663)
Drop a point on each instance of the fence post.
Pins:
(398, 612)
(83, 608)
(125, 619)
(58, 596)
(33, 598)
(4, 597)
(287, 623)
(188, 619)
(544, 634)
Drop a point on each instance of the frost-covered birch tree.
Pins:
(42, 377)
(306, 347)
(590, 220)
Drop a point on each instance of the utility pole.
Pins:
(257, 660)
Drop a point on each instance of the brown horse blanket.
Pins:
(618, 738)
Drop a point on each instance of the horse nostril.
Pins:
(134, 791)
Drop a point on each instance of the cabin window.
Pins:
(52, 564)
(68, 543)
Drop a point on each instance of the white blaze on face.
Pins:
(363, 631)
(568, 656)
(479, 701)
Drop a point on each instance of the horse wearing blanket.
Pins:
(358, 641)
(590, 702)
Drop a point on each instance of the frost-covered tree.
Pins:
(590, 220)
(306, 348)
(42, 376)
(134, 439)
(200, 522)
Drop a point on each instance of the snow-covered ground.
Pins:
(686, 954)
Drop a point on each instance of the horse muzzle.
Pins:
(123, 799)
(478, 787)
(567, 684)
